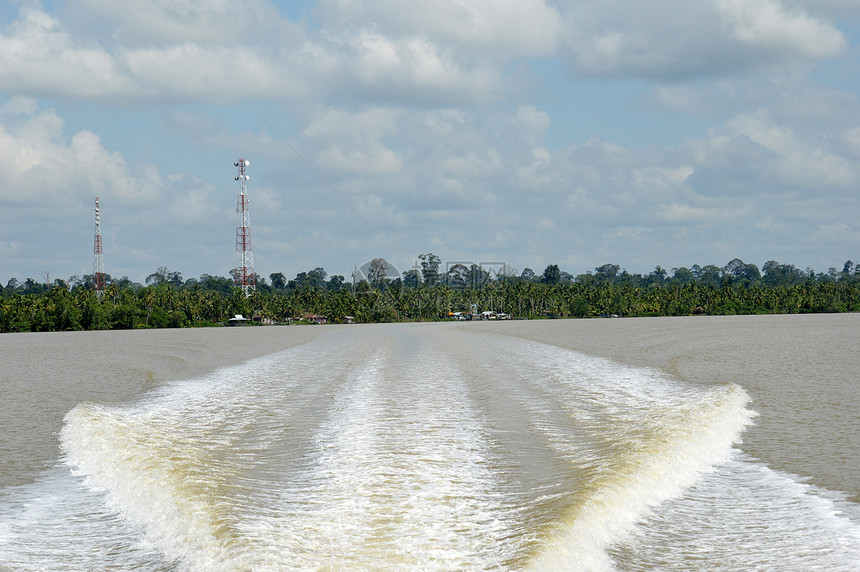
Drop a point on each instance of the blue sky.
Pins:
(528, 132)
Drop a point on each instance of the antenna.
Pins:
(98, 259)
(243, 275)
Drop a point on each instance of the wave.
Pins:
(408, 448)
(637, 439)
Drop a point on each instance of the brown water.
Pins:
(802, 372)
(44, 375)
(503, 445)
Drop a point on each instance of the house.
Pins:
(237, 320)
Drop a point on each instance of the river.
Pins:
(723, 443)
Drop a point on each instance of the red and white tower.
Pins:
(98, 259)
(243, 275)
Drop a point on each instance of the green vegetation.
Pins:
(168, 301)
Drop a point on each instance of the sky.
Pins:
(526, 132)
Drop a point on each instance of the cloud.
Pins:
(355, 142)
(56, 170)
(493, 28)
(410, 69)
(766, 24)
(150, 23)
(852, 140)
(50, 177)
(224, 54)
(40, 164)
(675, 213)
(432, 120)
(775, 154)
(216, 74)
(426, 52)
(38, 57)
(845, 9)
(532, 124)
(665, 38)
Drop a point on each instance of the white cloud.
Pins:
(9, 248)
(409, 69)
(659, 179)
(220, 60)
(623, 37)
(149, 23)
(377, 160)
(493, 28)
(190, 71)
(778, 154)
(41, 165)
(767, 24)
(531, 122)
(48, 181)
(38, 57)
(429, 51)
(55, 170)
(670, 38)
(431, 119)
(355, 142)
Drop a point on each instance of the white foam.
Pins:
(340, 455)
(56, 524)
(408, 487)
(747, 516)
(166, 464)
(641, 438)
(403, 481)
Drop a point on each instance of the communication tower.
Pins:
(98, 259)
(243, 275)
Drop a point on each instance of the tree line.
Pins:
(425, 293)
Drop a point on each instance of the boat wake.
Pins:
(421, 448)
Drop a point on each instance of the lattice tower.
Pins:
(98, 257)
(243, 275)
